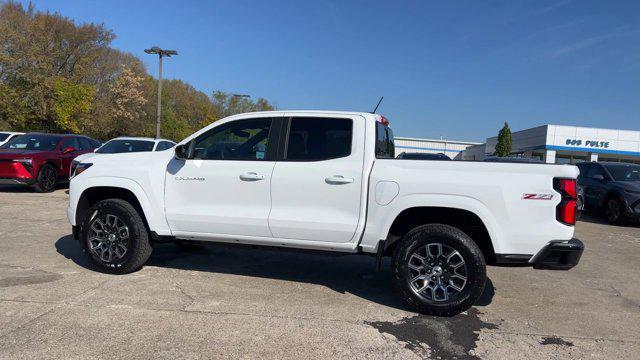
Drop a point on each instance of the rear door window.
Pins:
(71, 142)
(596, 170)
(85, 144)
(316, 139)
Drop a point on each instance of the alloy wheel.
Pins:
(48, 178)
(437, 272)
(108, 238)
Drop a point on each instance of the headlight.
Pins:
(78, 168)
(27, 163)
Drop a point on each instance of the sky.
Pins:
(451, 69)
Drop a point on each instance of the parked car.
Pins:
(5, 136)
(329, 181)
(127, 144)
(611, 188)
(423, 156)
(41, 160)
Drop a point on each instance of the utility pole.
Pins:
(161, 53)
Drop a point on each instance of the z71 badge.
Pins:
(537, 196)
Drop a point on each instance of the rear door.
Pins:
(316, 188)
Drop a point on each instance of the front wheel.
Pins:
(46, 180)
(114, 237)
(439, 270)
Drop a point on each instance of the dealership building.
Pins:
(550, 143)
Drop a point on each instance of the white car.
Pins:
(328, 180)
(129, 144)
(6, 136)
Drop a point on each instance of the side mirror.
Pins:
(598, 177)
(184, 151)
(68, 149)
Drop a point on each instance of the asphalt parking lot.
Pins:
(222, 302)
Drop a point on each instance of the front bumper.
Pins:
(558, 255)
(15, 173)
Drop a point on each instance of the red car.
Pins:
(41, 160)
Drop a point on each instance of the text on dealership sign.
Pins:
(588, 143)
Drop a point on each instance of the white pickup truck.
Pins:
(327, 180)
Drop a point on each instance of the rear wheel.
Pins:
(439, 270)
(46, 181)
(114, 237)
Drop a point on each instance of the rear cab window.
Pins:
(385, 147)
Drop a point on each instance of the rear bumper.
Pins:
(556, 255)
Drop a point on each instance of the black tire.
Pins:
(46, 180)
(614, 211)
(137, 246)
(450, 237)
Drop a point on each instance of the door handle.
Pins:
(251, 176)
(338, 180)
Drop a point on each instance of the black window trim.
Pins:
(284, 147)
(271, 137)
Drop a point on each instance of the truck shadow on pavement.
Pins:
(344, 273)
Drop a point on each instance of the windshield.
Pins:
(39, 142)
(123, 146)
(3, 136)
(624, 172)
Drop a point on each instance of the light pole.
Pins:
(161, 53)
(241, 96)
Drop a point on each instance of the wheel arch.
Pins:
(93, 195)
(468, 221)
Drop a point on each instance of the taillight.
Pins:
(566, 210)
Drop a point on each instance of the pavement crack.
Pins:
(2, 336)
(192, 300)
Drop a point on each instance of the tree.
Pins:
(127, 99)
(60, 76)
(503, 147)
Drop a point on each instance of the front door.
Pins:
(225, 188)
(316, 189)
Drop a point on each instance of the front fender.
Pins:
(152, 208)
